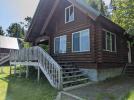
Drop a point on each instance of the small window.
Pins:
(69, 14)
(109, 41)
(81, 41)
(60, 44)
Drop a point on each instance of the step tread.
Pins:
(73, 76)
(69, 68)
(71, 72)
(67, 82)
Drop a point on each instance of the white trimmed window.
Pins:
(81, 41)
(69, 14)
(109, 43)
(60, 44)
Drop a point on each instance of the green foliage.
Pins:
(18, 30)
(28, 21)
(99, 5)
(15, 30)
(45, 47)
(124, 14)
(129, 96)
(1, 31)
(26, 45)
(14, 88)
(105, 96)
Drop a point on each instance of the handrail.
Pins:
(46, 63)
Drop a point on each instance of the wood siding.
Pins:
(133, 54)
(80, 22)
(96, 57)
(3, 52)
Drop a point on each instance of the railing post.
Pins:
(14, 69)
(61, 79)
(38, 76)
(10, 69)
(20, 71)
(27, 71)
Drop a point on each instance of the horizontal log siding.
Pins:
(81, 22)
(96, 57)
(133, 54)
(114, 59)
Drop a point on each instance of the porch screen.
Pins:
(60, 44)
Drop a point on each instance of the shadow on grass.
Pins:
(28, 89)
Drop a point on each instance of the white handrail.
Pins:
(47, 64)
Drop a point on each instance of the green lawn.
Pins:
(129, 96)
(15, 88)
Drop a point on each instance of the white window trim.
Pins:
(69, 13)
(110, 41)
(80, 41)
(55, 43)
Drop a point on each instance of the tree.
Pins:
(1, 31)
(15, 30)
(28, 21)
(99, 5)
(123, 14)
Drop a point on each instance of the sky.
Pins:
(16, 10)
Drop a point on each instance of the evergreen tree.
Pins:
(1, 31)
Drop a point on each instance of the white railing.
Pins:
(45, 62)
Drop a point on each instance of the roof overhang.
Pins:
(41, 23)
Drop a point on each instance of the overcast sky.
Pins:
(16, 10)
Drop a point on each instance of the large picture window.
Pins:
(81, 41)
(60, 44)
(69, 14)
(109, 41)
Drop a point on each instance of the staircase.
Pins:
(62, 75)
(72, 76)
(129, 70)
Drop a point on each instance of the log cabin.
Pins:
(73, 44)
(76, 33)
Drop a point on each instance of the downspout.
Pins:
(129, 53)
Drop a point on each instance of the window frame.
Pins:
(69, 13)
(111, 41)
(80, 41)
(60, 45)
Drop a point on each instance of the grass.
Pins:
(14, 88)
(105, 96)
(129, 96)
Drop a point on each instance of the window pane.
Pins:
(108, 41)
(63, 44)
(104, 39)
(113, 43)
(67, 15)
(84, 40)
(71, 16)
(76, 42)
(57, 45)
